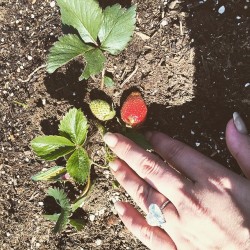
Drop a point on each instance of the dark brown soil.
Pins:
(192, 66)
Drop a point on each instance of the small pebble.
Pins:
(40, 203)
(29, 58)
(247, 84)
(52, 4)
(98, 242)
(164, 22)
(44, 102)
(222, 9)
(197, 144)
(92, 217)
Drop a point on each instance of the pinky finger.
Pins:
(152, 237)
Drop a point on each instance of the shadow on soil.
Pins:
(66, 86)
(221, 45)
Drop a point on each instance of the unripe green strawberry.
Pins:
(102, 110)
(134, 110)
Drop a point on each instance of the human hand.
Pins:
(210, 205)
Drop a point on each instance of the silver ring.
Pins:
(155, 216)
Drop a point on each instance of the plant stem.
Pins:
(102, 81)
(86, 189)
(99, 165)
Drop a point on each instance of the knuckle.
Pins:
(146, 233)
(142, 194)
(125, 150)
(149, 167)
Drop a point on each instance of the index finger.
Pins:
(152, 169)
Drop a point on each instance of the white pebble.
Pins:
(7, 234)
(222, 9)
(247, 84)
(164, 22)
(29, 58)
(52, 4)
(101, 212)
(32, 16)
(98, 242)
(197, 144)
(40, 203)
(92, 217)
(44, 102)
(238, 17)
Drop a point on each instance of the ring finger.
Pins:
(144, 194)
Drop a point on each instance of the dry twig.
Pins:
(129, 77)
(30, 75)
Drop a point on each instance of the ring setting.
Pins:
(155, 215)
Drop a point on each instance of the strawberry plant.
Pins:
(69, 144)
(98, 30)
(73, 130)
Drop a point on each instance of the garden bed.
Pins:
(189, 59)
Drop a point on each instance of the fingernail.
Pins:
(110, 139)
(114, 165)
(239, 123)
(119, 207)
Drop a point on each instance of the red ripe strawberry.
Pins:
(134, 110)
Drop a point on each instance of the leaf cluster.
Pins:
(73, 131)
(98, 30)
(64, 217)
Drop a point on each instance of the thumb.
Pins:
(238, 142)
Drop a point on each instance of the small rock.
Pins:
(197, 144)
(164, 22)
(52, 4)
(44, 101)
(98, 242)
(8, 234)
(92, 217)
(29, 58)
(40, 203)
(222, 9)
(247, 84)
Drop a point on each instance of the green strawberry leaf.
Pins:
(67, 48)
(53, 173)
(94, 63)
(84, 15)
(51, 147)
(117, 28)
(108, 82)
(78, 165)
(63, 201)
(78, 224)
(74, 126)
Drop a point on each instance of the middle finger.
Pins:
(150, 168)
